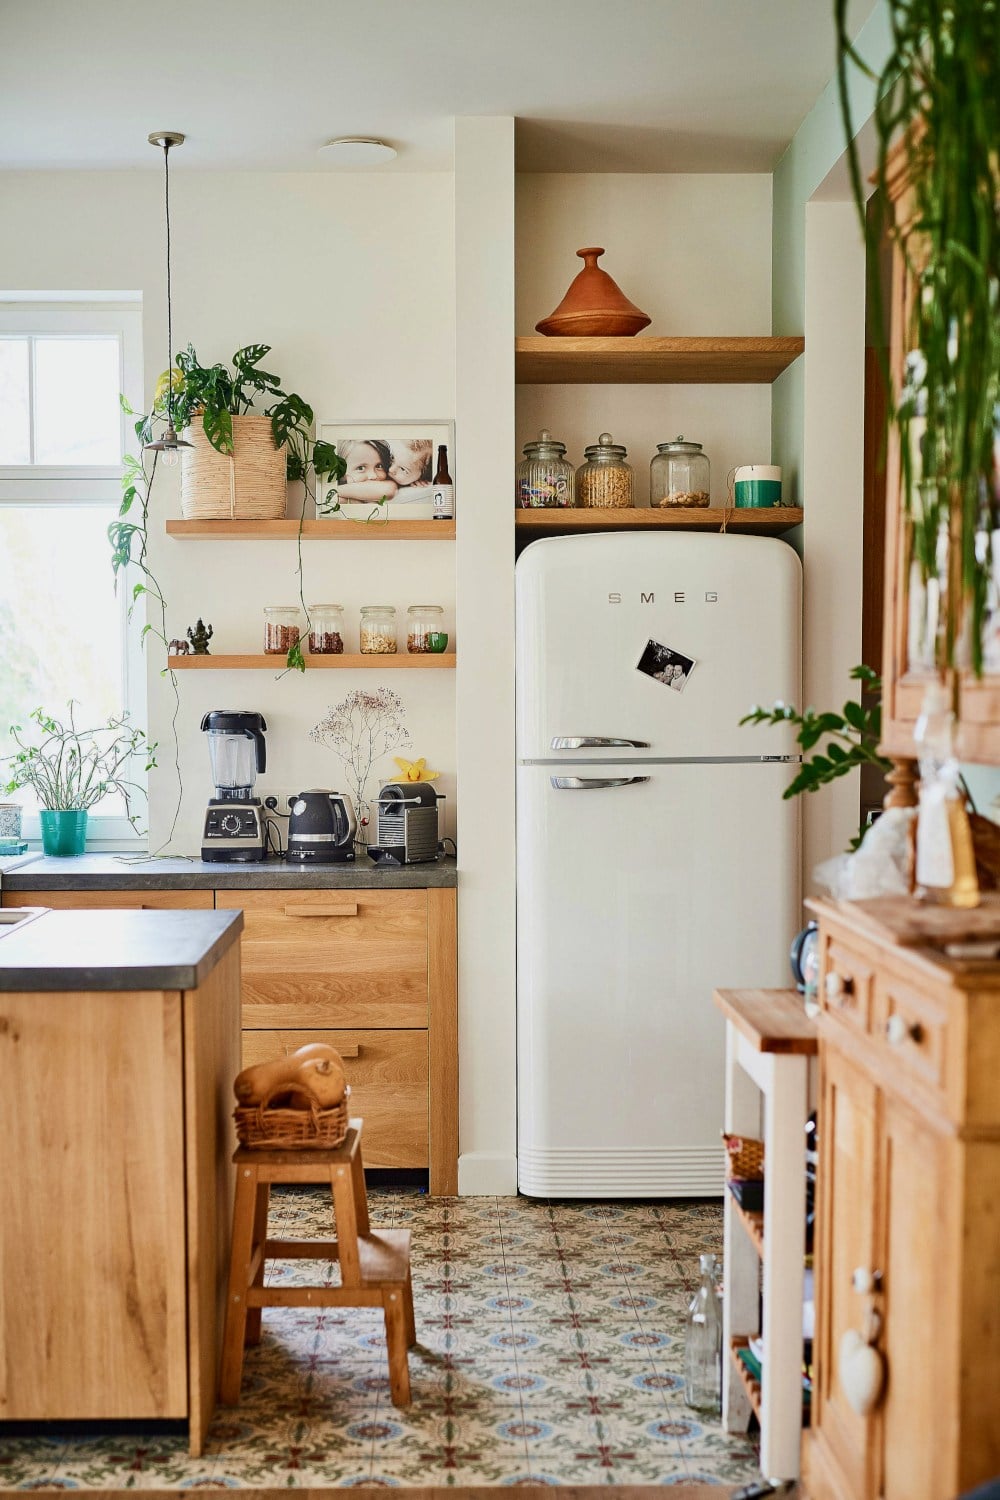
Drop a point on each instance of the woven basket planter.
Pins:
(280, 1129)
(247, 485)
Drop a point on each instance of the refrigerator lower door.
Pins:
(640, 890)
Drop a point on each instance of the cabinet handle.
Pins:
(354, 1051)
(898, 1030)
(328, 909)
(865, 1281)
(838, 987)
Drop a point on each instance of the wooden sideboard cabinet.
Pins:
(372, 972)
(908, 1202)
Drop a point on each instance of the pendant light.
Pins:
(169, 445)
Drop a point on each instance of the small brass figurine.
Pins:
(199, 638)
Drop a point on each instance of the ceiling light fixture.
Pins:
(169, 445)
(357, 151)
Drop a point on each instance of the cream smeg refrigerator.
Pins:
(656, 859)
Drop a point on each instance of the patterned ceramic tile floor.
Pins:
(550, 1351)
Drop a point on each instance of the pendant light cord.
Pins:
(170, 328)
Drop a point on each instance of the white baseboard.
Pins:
(486, 1174)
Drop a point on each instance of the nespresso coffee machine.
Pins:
(234, 822)
(406, 825)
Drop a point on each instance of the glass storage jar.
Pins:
(281, 628)
(326, 629)
(605, 479)
(378, 630)
(423, 628)
(544, 475)
(679, 475)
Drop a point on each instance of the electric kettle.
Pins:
(321, 827)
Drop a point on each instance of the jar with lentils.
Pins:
(281, 628)
(378, 630)
(326, 629)
(605, 478)
(424, 630)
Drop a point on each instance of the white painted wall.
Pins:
(351, 280)
(694, 252)
(484, 299)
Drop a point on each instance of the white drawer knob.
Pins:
(865, 1280)
(898, 1030)
(837, 987)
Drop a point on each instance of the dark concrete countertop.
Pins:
(115, 950)
(108, 872)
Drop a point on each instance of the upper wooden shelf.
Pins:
(326, 531)
(389, 662)
(750, 521)
(652, 361)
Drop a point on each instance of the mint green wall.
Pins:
(814, 151)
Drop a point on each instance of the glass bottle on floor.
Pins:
(703, 1344)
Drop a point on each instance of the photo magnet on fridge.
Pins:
(666, 665)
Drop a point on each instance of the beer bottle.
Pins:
(442, 489)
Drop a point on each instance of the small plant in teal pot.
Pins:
(70, 770)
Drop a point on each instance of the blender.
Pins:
(234, 824)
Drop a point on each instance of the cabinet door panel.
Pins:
(917, 1177)
(387, 1072)
(332, 958)
(113, 900)
(845, 1241)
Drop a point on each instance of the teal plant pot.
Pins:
(64, 833)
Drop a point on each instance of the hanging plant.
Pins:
(939, 95)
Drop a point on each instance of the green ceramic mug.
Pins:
(757, 486)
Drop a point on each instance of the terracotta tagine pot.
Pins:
(594, 304)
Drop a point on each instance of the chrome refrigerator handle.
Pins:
(595, 742)
(593, 783)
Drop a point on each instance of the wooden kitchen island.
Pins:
(119, 1041)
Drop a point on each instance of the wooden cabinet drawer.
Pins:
(387, 1072)
(846, 985)
(912, 1032)
(332, 958)
(113, 900)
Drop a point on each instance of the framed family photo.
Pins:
(390, 467)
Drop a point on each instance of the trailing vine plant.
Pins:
(939, 93)
(128, 538)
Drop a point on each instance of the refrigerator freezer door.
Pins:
(635, 901)
(587, 606)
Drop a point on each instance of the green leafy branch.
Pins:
(852, 737)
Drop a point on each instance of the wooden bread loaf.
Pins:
(311, 1075)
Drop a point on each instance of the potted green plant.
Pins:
(70, 770)
(218, 408)
(937, 120)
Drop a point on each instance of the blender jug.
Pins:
(237, 752)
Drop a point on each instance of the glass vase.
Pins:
(703, 1344)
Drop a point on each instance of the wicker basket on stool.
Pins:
(278, 1127)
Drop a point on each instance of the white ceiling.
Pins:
(634, 85)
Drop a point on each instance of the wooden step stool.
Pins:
(375, 1267)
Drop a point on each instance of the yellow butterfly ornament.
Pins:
(415, 770)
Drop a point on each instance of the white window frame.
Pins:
(80, 485)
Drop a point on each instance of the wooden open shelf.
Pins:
(752, 522)
(751, 1386)
(388, 663)
(753, 1223)
(324, 531)
(540, 360)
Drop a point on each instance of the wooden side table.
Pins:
(769, 1041)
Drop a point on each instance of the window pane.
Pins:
(60, 630)
(14, 438)
(77, 413)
